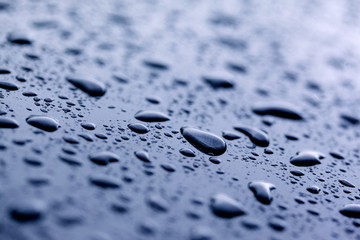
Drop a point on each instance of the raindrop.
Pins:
(262, 191)
(205, 142)
(351, 210)
(8, 123)
(255, 135)
(44, 123)
(104, 158)
(138, 128)
(93, 88)
(306, 159)
(151, 116)
(226, 207)
(282, 110)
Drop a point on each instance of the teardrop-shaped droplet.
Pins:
(152, 116)
(92, 88)
(282, 110)
(224, 206)
(44, 123)
(351, 210)
(306, 159)
(205, 142)
(255, 135)
(8, 123)
(262, 191)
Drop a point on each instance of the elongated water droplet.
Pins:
(92, 88)
(282, 110)
(151, 116)
(255, 135)
(306, 159)
(8, 123)
(205, 142)
(44, 123)
(351, 210)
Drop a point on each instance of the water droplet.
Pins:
(346, 183)
(262, 191)
(42, 122)
(215, 160)
(27, 211)
(138, 128)
(313, 189)
(93, 88)
(282, 110)
(255, 135)
(230, 135)
(8, 123)
(226, 207)
(205, 142)
(351, 210)
(104, 181)
(306, 159)
(151, 116)
(104, 158)
(158, 203)
(143, 156)
(218, 83)
(187, 152)
(88, 126)
(18, 38)
(9, 86)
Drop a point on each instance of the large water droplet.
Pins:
(205, 142)
(44, 123)
(8, 86)
(351, 210)
(8, 123)
(224, 206)
(306, 159)
(138, 128)
(262, 191)
(27, 211)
